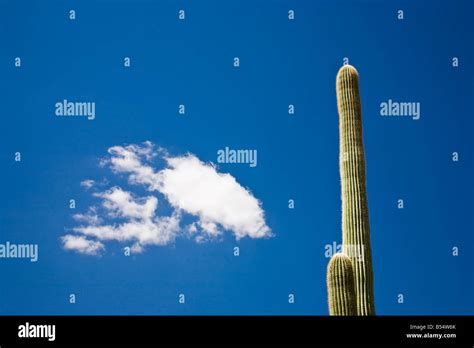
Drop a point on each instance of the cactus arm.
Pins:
(340, 283)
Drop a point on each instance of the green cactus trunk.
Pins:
(340, 282)
(355, 213)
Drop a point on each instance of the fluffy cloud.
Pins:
(129, 160)
(217, 199)
(120, 203)
(159, 231)
(82, 244)
(217, 202)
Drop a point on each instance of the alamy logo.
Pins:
(37, 331)
(68, 108)
(237, 156)
(356, 251)
(393, 108)
(22, 251)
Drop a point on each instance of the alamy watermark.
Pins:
(393, 108)
(72, 109)
(237, 156)
(28, 330)
(355, 251)
(21, 251)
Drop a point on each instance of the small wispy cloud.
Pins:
(87, 184)
(82, 244)
(90, 219)
(216, 201)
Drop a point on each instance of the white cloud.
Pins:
(82, 244)
(140, 225)
(87, 184)
(198, 189)
(91, 219)
(192, 228)
(209, 227)
(120, 203)
(127, 160)
(217, 201)
(159, 231)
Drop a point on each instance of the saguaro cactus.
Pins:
(355, 214)
(340, 282)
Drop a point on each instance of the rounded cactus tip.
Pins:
(340, 259)
(340, 285)
(348, 69)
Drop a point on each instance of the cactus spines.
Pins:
(340, 283)
(355, 214)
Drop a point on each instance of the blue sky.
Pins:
(282, 62)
